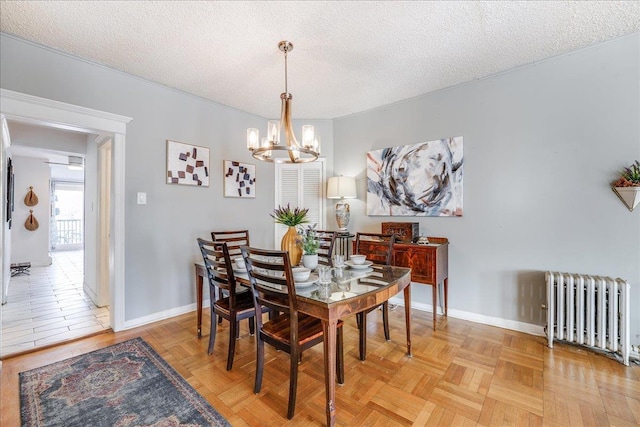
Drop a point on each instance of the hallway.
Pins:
(49, 306)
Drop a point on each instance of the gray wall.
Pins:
(542, 145)
(160, 236)
(26, 245)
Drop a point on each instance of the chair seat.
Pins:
(244, 303)
(309, 329)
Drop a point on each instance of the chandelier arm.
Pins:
(285, 122)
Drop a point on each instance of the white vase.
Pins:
(310, 261)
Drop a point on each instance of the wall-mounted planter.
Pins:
(630, 196)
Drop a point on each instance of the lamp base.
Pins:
(342, 215)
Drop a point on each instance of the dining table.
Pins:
(360, 288)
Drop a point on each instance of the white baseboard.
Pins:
(87, 289)
(458, 314)
(162, 315)
(513, 325)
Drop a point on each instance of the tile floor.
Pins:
(49, 306)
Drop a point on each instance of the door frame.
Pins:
(105, 149)
(46, 112)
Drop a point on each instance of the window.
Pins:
(67, 217)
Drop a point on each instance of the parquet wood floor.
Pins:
(462, 374)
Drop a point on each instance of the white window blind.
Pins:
(301, 185)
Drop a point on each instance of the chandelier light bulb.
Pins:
(253, 136)
(273, 131)
(307, 136)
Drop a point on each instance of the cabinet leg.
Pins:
(434, 293)
(446, 294)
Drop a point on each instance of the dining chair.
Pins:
(325, 251)
(378, 248)
(290, 331)
(234, 239)
(230, 305)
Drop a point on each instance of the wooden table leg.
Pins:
(407, 316)
(329, 328)
(199, 284)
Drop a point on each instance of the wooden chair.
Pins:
(378, 249)
(325, 252)
(233, 306)
(289, 331)
(234, 239)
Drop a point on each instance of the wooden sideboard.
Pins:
(429, 265)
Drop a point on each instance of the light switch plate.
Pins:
(142, 198)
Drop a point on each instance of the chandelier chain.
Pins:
(285, 71)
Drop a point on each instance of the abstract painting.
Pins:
(187, 164)
(239, 179)
(416, 180)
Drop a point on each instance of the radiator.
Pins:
(591, 311)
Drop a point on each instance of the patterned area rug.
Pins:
(126, 384)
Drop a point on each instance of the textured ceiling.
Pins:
(348, 56)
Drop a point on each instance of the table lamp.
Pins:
(341, 187)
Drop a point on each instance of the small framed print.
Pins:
(239, 179)
(187, 164)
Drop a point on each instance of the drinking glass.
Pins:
(324, 275)
(338, 261)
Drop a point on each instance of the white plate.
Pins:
(239, 270)
(366, 264)
(302, 285)
(313, 278)
(306, 291)
(337, 296)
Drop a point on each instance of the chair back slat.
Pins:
(325, 251)
(234, 239)
(378, 248)
(218, 265)
(271, 279)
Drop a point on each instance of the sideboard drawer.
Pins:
(429, 263)
(421, 262)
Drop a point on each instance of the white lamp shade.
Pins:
(341, 187)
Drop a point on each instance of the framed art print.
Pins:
(422, 179)
(187, 164)
(239, 179)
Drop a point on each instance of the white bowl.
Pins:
(358, 259)
(240, 263)
(300, 274)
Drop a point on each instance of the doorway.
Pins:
(54, 301)
(45, 112)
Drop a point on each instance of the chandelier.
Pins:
(269, 149)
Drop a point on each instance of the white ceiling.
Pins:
(348, 56)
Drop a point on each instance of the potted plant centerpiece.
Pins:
(627, 187)
(291, 218)
(310, 244)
